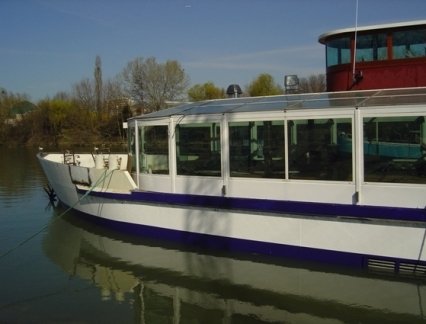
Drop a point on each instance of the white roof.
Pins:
(412, 23)
(349, 99)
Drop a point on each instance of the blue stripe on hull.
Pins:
(269, 206)
(219, 243)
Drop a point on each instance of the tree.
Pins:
(313, 83)
(7, 101)
(53, 116)
(206, 91)
(114, 96)
(117, 108)
(98, 84)
(62, 95)
(58, 122)
(153, 84)
(264, 85)
(84, 94)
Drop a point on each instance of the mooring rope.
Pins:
(23, 242)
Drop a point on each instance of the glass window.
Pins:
(256, 149)
(198, 149)
(395, 149)
(371, 48)
(320, 149)
(338, 51)
(408, 44)
(132, 147)
(154, 149)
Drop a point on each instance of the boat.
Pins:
(336, 177)
(163, 281)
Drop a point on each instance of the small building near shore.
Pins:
(18, 111)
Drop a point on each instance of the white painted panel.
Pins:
(393, 195)
(308, 191)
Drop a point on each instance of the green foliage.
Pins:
(206, 91)
(10, 105)
(50, 119)
(264, 85)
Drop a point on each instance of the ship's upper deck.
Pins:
(376, 57)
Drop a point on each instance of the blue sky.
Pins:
(48, 45)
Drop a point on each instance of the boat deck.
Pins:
(117, 161)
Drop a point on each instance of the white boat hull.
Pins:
(347, 240)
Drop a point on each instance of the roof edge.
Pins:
(411, 23)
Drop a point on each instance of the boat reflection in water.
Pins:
(166, 283)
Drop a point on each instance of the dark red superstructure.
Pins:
(386, 56)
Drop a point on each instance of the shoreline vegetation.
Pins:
(63, 124)
(93, 112)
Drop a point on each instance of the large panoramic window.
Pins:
(338, 51)
(409, 44)
(154, 150)
(256, 149)
(198, 149)
(395, 149)
(320, 149)
(371, 48)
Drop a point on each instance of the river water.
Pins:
(57, 267)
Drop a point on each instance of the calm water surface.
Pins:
(72, 271)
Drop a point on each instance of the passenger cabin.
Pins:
(384, 56)
(345, 147)
(327, 147)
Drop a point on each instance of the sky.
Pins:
(46, 46)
